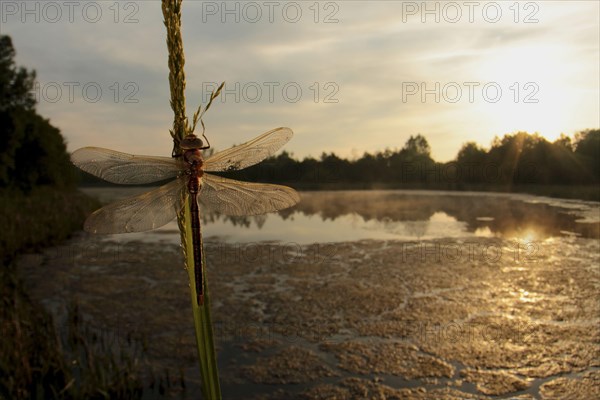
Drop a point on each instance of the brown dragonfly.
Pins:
(155, 208)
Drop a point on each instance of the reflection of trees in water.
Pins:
(416, 228)
(245, 221)
(510, 217)
(514, 217)
(260, 220)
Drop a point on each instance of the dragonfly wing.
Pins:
(145, 212)
(231, 197)
(249, 153)
(116, 167)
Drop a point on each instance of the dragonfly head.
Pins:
(191, 142)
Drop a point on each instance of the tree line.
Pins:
(517, 158)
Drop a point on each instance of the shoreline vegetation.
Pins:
(41, 218)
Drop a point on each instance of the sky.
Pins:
(346, 76)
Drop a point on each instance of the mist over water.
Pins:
(338, 216)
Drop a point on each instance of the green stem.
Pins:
(202, 319)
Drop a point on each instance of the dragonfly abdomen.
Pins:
(194, 158)
(197, 248)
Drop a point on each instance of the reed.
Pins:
(202, 318)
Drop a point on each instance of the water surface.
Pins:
(339, 216)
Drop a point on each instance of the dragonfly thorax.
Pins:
(193, 156)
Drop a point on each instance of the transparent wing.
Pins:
(123, 168)
(249, 153)
(145, 212)
(230, 197)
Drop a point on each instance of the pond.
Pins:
(395, 215)
(352, 294)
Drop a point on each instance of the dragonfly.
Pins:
(191, 180)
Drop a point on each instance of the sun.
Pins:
(530, 88)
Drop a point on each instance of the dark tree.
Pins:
(413, 163)
(587, 149)
(471, 163)
(16, 84)
(564, 141)
(417, 146)
(32, 151)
